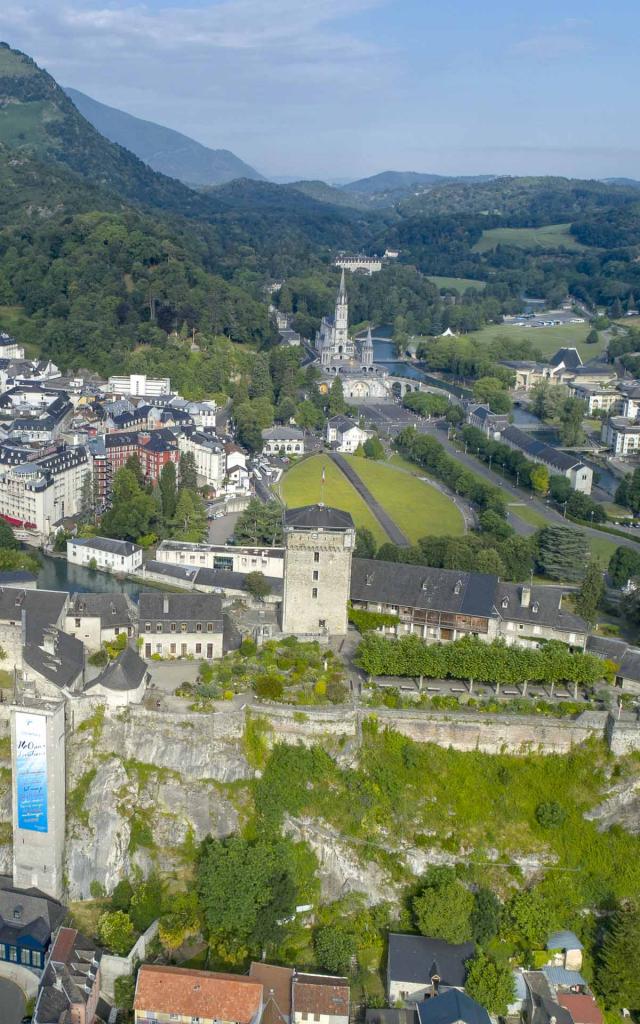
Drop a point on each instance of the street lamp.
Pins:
(517, 477)
(565, 510)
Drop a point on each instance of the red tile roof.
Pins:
(320, 993)
(205, 994)
(582, 1008)
(277, 983)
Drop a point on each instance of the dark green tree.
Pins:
(373, 448)
(365, 543)
(592, 337)
(485, 916)
(618, 974)
(146, 903)
(188, 472)
(168, 490)
(337, 404)
(443, 907)
(562, 553)
(591, 593)
(260, 523)
(257, 585)
(623, 566)
(490, 984)
(334, 948)
(260, 385)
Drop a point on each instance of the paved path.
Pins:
(12, 1002)
(386, 522)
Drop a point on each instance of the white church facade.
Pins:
(341, 355)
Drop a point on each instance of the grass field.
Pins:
(415, 507)
(301, 485)
(459, 283)
(601, 546)
(551, 236)
(528, 514)
(546, 339)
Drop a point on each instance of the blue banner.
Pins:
(31, 772)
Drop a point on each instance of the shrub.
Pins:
(269, 688)
(550, 814)
(334, 949)
(116, 931)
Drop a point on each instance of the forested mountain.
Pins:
(163, 149)
(397, 182)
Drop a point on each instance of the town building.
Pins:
(109, 555)
(210, 581)
(359, 264)
(99, 618)
(622, 436)
(598, 398)
(39, 493)
(224, 557)
(28, 919)
(332, 341)
(566, 464)
(180, 625)
(210, 457)
(166, 994)
(70, 987)
(279, 440)
(319, 543)
(321, 998)
(154, 448)
(122, 682)
(344, 434)
(9, 347)
(138, 384)
(490, 423)
(276, 985)
(452, 1007)
(419, 967)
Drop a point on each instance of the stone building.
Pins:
(319, 544)
(180, 625)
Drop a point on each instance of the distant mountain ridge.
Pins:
(400, 181)
(165, 150)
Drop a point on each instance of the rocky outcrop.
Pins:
(621, 807)
(340, 870)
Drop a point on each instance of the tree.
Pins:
(365, 543)
(550, 814)
(245, 890)
(257, 584)
(618, 974)
(591, 593)
(188, 472)
(624, 564)
(562, 552)
(485, 916)
(528, 917)
(545, 400)
(116, 931)
(146, 903)
(121, 895)
(180, 921)
(490, 983)
(168, 491)
(135, 466)
(592, 337)
(616, 310)
(259, 523)
(190, 520)
(260, 385)
(628, 492)
(571, 415)
(7, 537)
(87, 493)
(132, 510)
(493, 392)
(560, 488)
(539, 477)
(373, 448)
(337, 404)
(334, 948)
(443, 908)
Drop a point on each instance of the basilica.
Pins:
(352, 361)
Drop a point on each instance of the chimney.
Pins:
(525, 596)
(49, 641)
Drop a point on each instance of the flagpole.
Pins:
(322, 480)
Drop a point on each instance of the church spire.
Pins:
(366, 356)
(342, 290)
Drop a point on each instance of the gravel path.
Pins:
(386, 522)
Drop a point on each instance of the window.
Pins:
(172, 648)
(3, 951)
(158, 627)
(24, 956)
(316, 574)
(209, 627)
(13, 954)
(198, 627)
(77, 623)
(173, 627)
(183, 627)
(316, 556)
(147, 627)
(322, 623)
(314, 592)
(198, 648)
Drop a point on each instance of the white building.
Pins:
(209, 455)
(123, 681)
(40, 493)
(269, 561)
(98, 618)
(109, 555)
(9, 347)
(598, 398)
(180, 625)
(289, 440)
(621, 435)
(333, 341)
(345, 433)
(361, 264)
(139, 384)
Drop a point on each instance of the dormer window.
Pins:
(505, 602)
(368, 580)
(535, 607)
(458, 587)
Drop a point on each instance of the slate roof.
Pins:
(561, 976)
(451, 1007)
(317, 517)
(606, 647)
(417, 958)
(569, 356)
(320, 993)
(11, 578)
(62, 663)
(39, 914)
(220, 579)
(564, 940)
(420, 586)
(342, 423)
(156, 606)
(538, 450)
(229, 997)
(544, 1006)
(112, 609)
(69, 976)
(126, 672)
(547, 601)
(282, 434)
(113, 547)
(404, 1015)
(630, 665)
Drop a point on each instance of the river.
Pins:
(57, 574)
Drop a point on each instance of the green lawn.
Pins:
(459, 283)
(546, 339)
(528, 514)
(601, 547)
(417, 508)
(551, 236)
(301, 485)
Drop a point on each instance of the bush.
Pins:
(121, 895)
(116, 931)
(334, 949)
(269, 688)
(550, 814)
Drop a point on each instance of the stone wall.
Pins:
(113, 967)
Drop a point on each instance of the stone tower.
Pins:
(318, 544)
(38, 762)
(366, 356)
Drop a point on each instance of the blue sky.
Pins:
(339, 89)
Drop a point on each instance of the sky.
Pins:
(340, 89)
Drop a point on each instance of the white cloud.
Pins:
(567, 38)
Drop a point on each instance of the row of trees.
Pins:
(474, 659)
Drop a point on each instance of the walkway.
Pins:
(386, 522)
(12, 1002)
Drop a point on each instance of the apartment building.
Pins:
(183, 996)
(41, 492)
(180, 625)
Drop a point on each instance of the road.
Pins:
(395, 535)
(515, 494)
(12, 1002)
